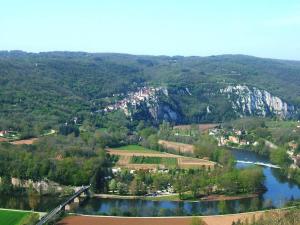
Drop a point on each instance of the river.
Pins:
(279, 192)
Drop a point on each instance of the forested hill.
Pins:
(53, 87)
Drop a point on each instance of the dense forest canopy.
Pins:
(42, 91)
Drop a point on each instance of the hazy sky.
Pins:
(266, 28)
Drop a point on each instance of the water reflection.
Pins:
(29, 202)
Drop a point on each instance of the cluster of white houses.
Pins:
(133, 99)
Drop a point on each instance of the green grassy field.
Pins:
(171, 162)
(8, 217)
(135, 148)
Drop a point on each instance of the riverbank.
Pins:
(175, 197)
(209, 220)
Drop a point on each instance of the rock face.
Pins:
(253, 101)
(147, 102)
(162, 111)
(43, 186)
(175, 104)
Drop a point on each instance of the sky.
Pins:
(263, 28)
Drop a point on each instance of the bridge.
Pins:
(64, 206)
(259, 163)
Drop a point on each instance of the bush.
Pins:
(32, 219)
(197, 221)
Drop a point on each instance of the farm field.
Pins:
(169, 162)
(135, 148)
(113, 151)
(187, 163)
(176, 146)
(8, 217)
(149, 159)
(201, 127)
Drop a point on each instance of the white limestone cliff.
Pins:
(253, 101)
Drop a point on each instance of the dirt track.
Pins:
(3, 140)
(210, 220)
(24, 142)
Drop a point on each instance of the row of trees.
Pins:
(189, 183)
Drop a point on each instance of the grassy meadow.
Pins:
(9, 217)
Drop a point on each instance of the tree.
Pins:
(180, 185)
(197, 221)
(153, 141)
(195, 186)
(122, 188)
(98, 181)
(297, 150)
(279, 156)
(165, 130)
(137, 187)
(67, 129)
(113, 185)
(134, 187)
(32, 219)
(205, 146)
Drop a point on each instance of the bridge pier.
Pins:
(77, 200)
(67, 207)
(85, 193)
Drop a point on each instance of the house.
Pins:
(234, 139)
(222, 141)
(243, 142)
(238, 132)
(116, 170)
(292, 145)
(3, 132)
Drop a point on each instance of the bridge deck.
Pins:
(55, 211)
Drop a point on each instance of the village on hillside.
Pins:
(239, 138)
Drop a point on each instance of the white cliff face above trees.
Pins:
(253, 101)
(133, 100)
(146, 99)
(162, 103)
